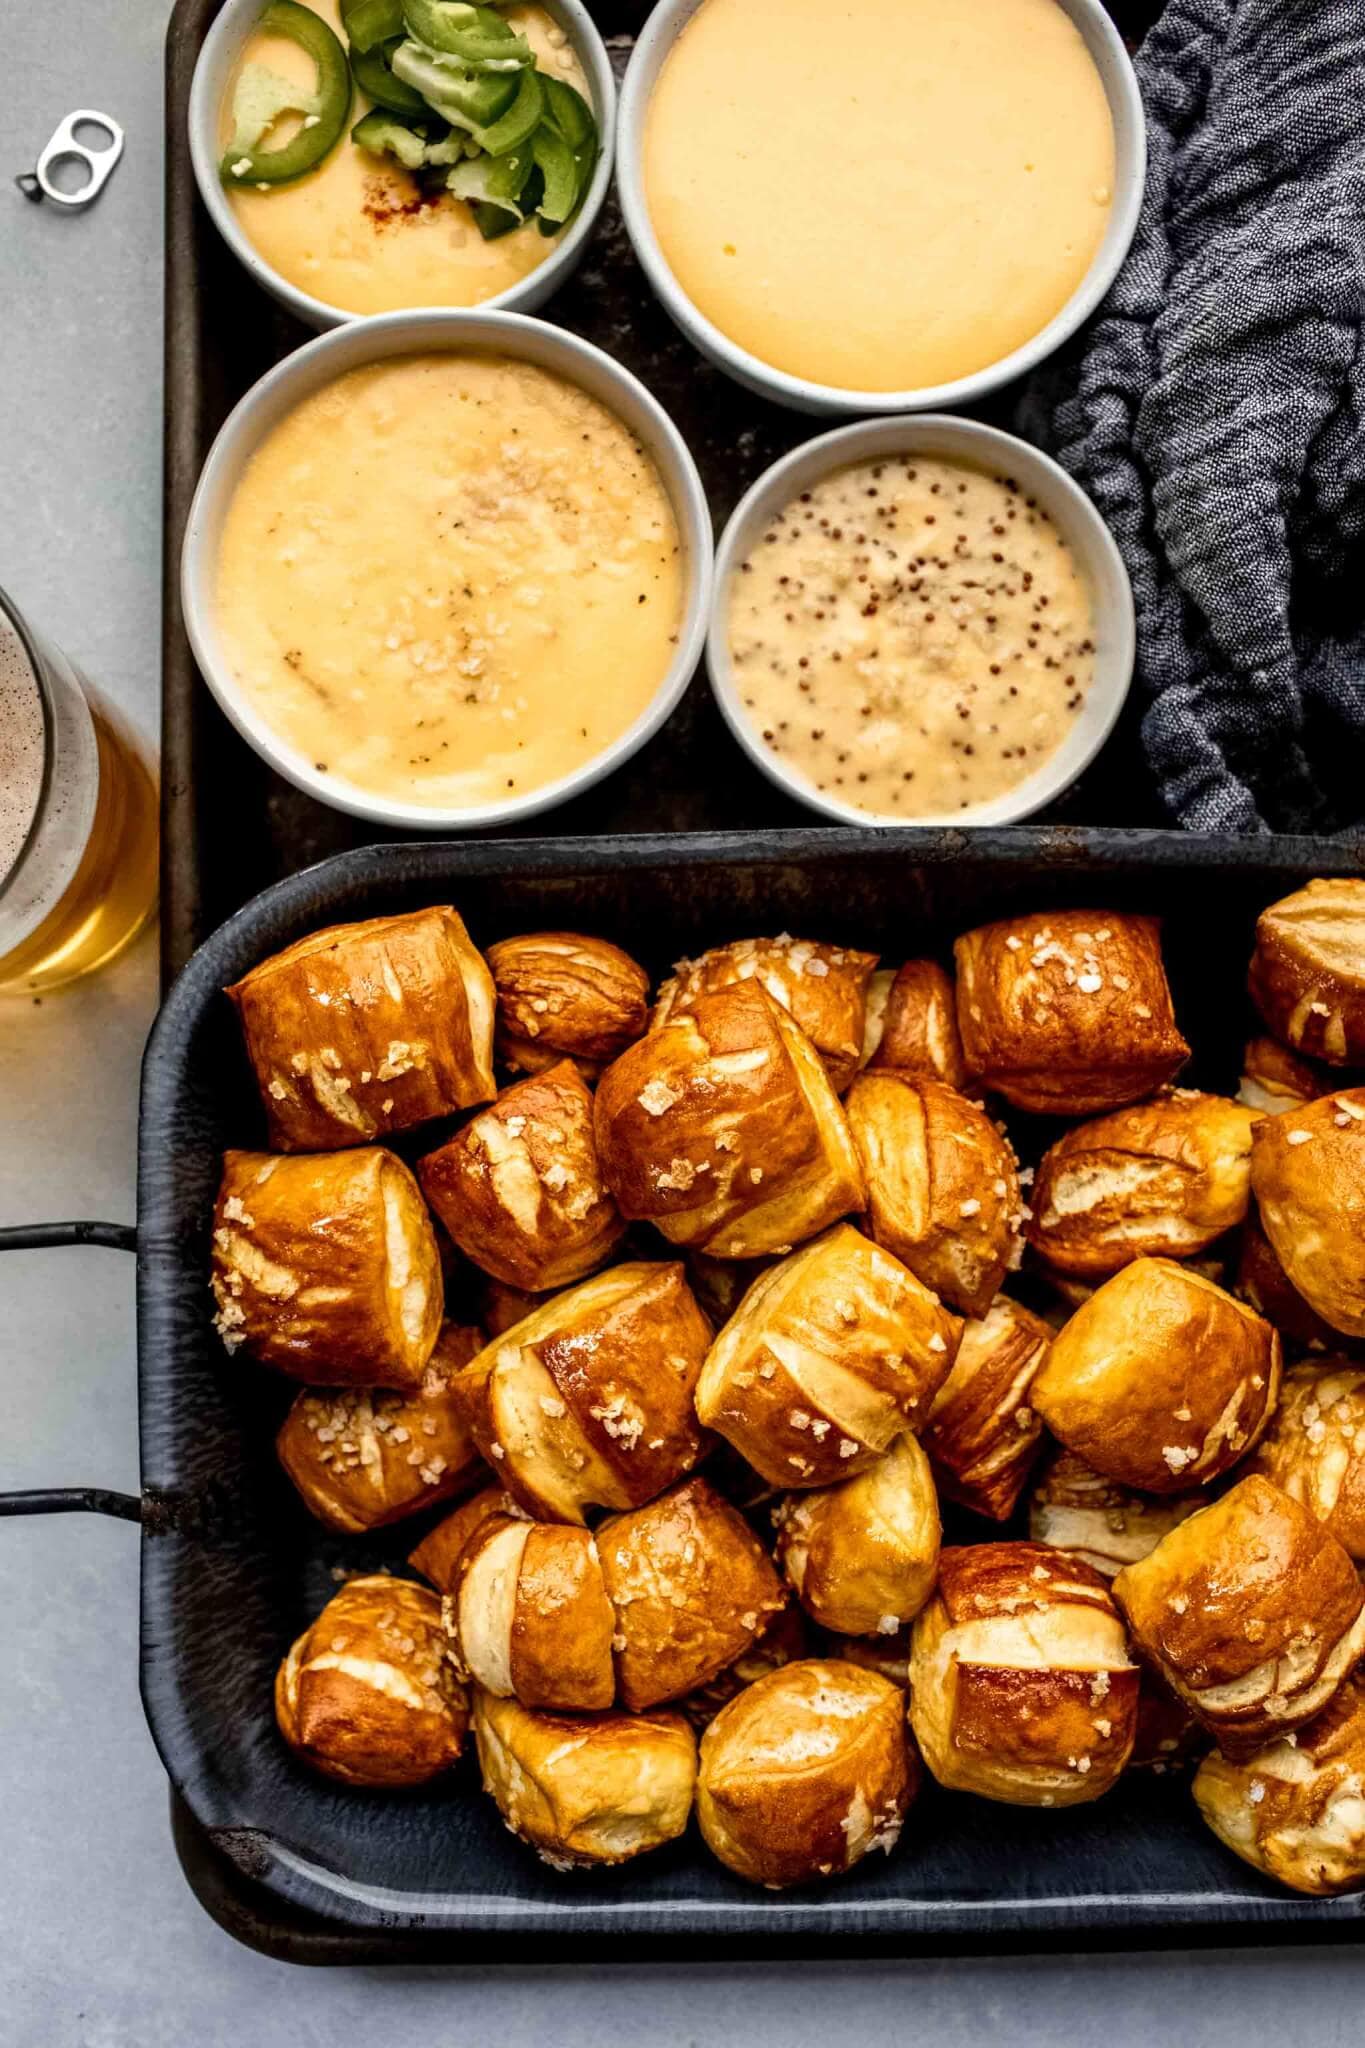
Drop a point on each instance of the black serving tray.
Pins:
(233, 1566)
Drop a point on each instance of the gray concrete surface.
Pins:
(101, 1944)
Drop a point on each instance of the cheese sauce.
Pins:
(912, 636)
(357, 232)
(450, 579)
(879, 194)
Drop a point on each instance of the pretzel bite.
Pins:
(519, 1189)
(1161, 1381)
(588, 1402)
(912, 1024)
(1078, 1510)
(829, 1356)
(326, 1267)
(1021, 1686)
(862, 1555)
(785, 1638)
(805, 1772)
(1296, 1809)
(722, 1130)
(942, 1184)
(563, 996)
(1067, 1013)
(528, 1616)
(1161, 1179)
(1308, 970)
(368, 1028)
(1263, 1283)
(1275, 1080)
(823, 987)
(1250, 1611)
(438, 1553)
(984, 1433)
(367, 1694)
(582, 1792)
(692, 1587)
(1314, 1449)
(1308, 1176)
(361, 1458)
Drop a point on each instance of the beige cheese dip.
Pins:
(879, 195)
(449, 579)
(357, 232)
(911, 636)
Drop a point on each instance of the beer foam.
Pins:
(22, 745)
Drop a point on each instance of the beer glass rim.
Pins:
(16, 620)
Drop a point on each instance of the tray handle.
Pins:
(66, 1500)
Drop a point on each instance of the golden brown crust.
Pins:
(519, 1188)
(368, 1694)
(722, 1130)
(588, 1402)
(564, 996)
(1021, 1687)
(1314, 1449)
(438, 1553)
(1262, 1281)
(830, 1355)
(1308, 970)
(1296, 1809)
(368, 1028)
(984, 1432)
(942, 1184)
(1275, 1080)
(1308, 1176)
(692, 1587)
(805, 1772)
(586, 1791)
(1251, 1612)
(1161, 1380)
(528, 1616)
(1067, 1013)
(325, 1266)
(1079, 1510)
(362, 1458)
(912, 1024)
(862, 1556)
(1160, 1179)
(823, 987)
(786, 1638)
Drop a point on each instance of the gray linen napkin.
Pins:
(1213, 410)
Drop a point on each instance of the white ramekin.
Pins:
(223, 46)
(1079, 525)
(1111, 60)
(361, 342)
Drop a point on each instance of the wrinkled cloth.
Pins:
(1214, 409)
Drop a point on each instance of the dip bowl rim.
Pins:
(221, 50)
(1077, 520)
(380, 337)
(803, 394)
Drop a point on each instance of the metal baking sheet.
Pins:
(231, 826)
(233, 1566)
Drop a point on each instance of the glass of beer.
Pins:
(78, 819)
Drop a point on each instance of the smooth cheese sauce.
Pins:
(357, 232)
(912, 636)
(879, 194)
(449, 579)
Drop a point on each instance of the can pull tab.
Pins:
(92, 152)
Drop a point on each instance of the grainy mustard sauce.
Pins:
(912, 635)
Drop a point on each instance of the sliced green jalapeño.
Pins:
(475, 36)
(468, 99)
(370, 22)
(383, 134)
(327, 108)
(373, 73)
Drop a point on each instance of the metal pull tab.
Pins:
(64, 147)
